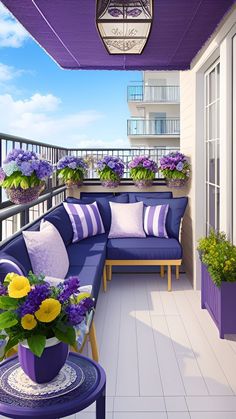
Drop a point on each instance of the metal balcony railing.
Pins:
(153, 94)
(166, 126)
(14, 217)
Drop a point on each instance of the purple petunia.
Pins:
(44, 169)
(173, 161)
(34, 299)
(72, 162)
(3, 290)
(26, 168)
(76, 312)
(115, 164)
(69, 287)
(143, 162)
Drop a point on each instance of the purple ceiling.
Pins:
(66, 29)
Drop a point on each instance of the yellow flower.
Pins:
(19, 287)
(28, 322)
(48, 310)
(9, 277)
(81, 296)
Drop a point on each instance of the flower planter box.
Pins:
(220, 302)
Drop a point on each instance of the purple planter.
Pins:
(220, 303)
(45, 368)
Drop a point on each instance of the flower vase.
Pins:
(110, 183)
(176, 183)
(24, 196)
(143, 183)
(46, 368)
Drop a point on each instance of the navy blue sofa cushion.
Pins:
(103, 206)
(60, 219)
(134, 195)
(149, 248)
(176, 211)
(88, 275)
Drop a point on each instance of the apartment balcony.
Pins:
(153, 94)
(167, 127)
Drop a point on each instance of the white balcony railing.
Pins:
(156, 127)
(153, 94)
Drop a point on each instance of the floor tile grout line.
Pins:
(117, 363)
(158, 362)
(193, 350)
(205, 334)
(136, 333)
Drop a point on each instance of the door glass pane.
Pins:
(212, 121)
(218, 208)
(212, 206)
(212, 162)
(218, 163)
(212, 86)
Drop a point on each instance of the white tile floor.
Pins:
(162, 354)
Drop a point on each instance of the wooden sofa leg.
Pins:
(109, 275)
(93, 342)
(105, 278)
(169, 278)
(162, 271)
(177, 272)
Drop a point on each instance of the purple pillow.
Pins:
(155, 220)
(85, 219)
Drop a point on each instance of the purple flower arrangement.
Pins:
(23, 169)
(142, 171)
(175, 166)
(110, 170)
(72, 169)
(34, 310)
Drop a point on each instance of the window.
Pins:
(212, 146)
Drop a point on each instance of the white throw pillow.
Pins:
(126, 220)
(47, 252)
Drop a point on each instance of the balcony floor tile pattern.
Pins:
(162, 354)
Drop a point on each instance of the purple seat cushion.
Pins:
(103, 206)
(60, 219)
(9, 264)
(176, 211)
(134, 195)
(88, 275)
(149, 248)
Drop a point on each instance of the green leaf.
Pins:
(7, 319)
(7, 303)
(37, 344)
(12, 341)
(67, 337)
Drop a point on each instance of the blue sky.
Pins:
(45, 103)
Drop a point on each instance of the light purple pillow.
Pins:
(85, 219)
(47, 251)
(155, 220)
(126, 220)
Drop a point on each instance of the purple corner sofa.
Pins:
(89, 257)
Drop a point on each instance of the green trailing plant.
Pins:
(219, 256)
(142, 167)
(71, 169)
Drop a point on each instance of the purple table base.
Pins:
(91, 390)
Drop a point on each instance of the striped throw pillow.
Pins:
(155, 220)
(85, 219)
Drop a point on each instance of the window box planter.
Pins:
(220, 302)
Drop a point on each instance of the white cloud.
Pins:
(38, 118)
(12, 33)
(8, 73)
(86, 142)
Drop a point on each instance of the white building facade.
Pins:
(208, 138)
(154, 105)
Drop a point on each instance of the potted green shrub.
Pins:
(218, 280)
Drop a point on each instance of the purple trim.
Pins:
(162, 220)
(88, 220)
(97, 218)
(78, 231)
(151, 214)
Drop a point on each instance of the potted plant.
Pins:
(142, 171)
(218, 276)
(41, 318)
(175, 168)
(110, 170)
(23, 174)
(72, 170)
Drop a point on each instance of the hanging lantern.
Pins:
(124, 25)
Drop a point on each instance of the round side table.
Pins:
(88, 387)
